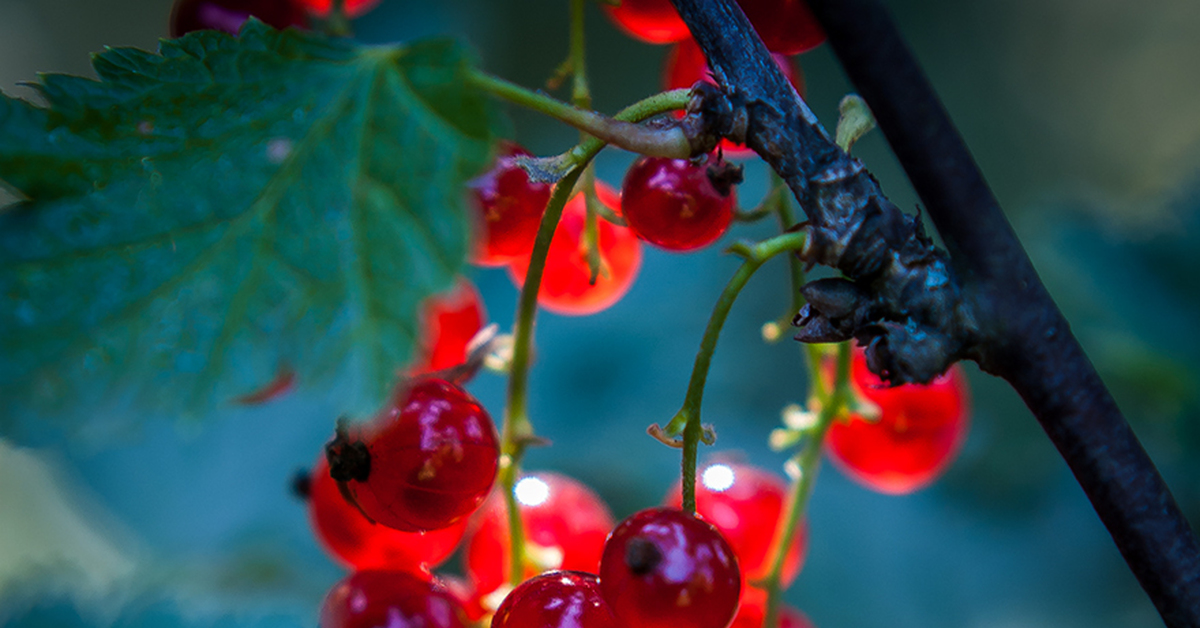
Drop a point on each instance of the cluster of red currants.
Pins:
(229, 15)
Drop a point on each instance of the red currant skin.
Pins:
(753, 612)
(510, 209)
(353, 8)
(566, 287)
(556, 599)
(672, 203)
(685, 64)
(652, 21)
(372, 599)
(919, 431)
(787, 27)
(565, 526)
(448, 323)
(745, 503)
(359, 544)
(432, 458)
(229, 15)
(663, 568)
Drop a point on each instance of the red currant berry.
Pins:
(428, 461)
(353, 8)
(672, 203)
(448, 323)
(229, 15)
(752, 612)
(787, 27)
(372, 599)
(686, 64)
(556, 599)
(565, 526)
(510, 209)
(652, 21)
(359, 544)
(745, 504)
(919, 431)
(663, 568)
(566, 287)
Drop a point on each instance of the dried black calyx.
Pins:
(301, 484)
(348, 458)
(724, 175)
(642, 556)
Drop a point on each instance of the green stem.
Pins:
(517, 432)
(580, 94)
(338, 24)
(669, 141)
(808, 461)
(689, 415)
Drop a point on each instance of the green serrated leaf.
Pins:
(199, 218)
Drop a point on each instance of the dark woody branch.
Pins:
(919, 308)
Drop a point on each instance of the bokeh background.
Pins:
(1082, 113)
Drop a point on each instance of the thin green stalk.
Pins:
(689, 415)
(808, 461)
(517, 432)
(658, 142)
(580, 94)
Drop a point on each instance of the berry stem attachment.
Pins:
(664, 141)
(808, 460)
(687, 419)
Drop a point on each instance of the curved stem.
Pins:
(667, 141)
(809, 461)
(688, 417)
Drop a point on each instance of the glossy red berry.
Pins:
(428, 461)
(919, 431)
(652, 21)
(672, 203)
(229, 15)
(787, 27)
(353, 8)
(448, 323)
(375, 599)
(745, 503)
(359, 544)
(509, 207)
(566, 287)
(565, 526)
(685, 64)
(556, 599)
(752, 612)
(663, 568)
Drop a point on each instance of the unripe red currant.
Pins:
(428, 461)
(672, 203)
(919, 431)
(663, 568)
(229, 15)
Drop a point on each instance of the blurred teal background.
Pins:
(1083, 115)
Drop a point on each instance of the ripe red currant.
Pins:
(787, 27)
(510, 208)
(685, 65)
(745, 503)
(556, 599)
(428, 461)
(672, 203)
(353, 8)
(448, 323)
(663, 568)
(566, 287)
(371, 599)
(229, 15)
(565, 526)
(652, 21)
(919, 431)
(753, 611)
(359, 544)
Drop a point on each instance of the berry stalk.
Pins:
(687, 419)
